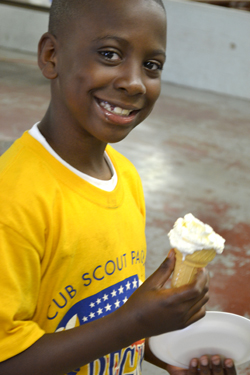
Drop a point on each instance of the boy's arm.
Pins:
(59, 353)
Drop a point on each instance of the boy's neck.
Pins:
(84, 153)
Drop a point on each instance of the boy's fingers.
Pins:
(200, 302)
(162, 274)
(199, 287)
(193, 367)
(204, 365)
(201, 281)
(194, 317)
(217, 365)
(229, 367)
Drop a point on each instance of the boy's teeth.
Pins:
(117, 110)
(126, 112)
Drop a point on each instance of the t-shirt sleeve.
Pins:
(20, 274)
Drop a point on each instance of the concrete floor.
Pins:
(192, 155)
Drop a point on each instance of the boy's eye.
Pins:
(110, 55)
(153, 65)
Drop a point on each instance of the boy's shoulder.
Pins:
(120, 161)
(21, 160)
(25, 174)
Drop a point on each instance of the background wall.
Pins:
(21, 28)
(208, 46)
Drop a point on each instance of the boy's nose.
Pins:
(130, 80)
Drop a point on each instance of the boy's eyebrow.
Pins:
(109, 37)
(117, 38)
(124, 41)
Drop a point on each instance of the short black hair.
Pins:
(63, 10)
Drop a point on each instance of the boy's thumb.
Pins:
(162, 274)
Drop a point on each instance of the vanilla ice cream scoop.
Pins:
(190, 234)
(195, 244)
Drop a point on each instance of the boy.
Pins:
(73, 216)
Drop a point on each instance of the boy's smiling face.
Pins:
(109, 68)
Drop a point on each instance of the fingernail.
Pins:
(171, 254)
(229, 363)
(194, 363)
(216, 361)
(204, 361)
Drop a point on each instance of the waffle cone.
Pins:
(186, 269)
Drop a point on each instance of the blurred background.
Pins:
(193, 152)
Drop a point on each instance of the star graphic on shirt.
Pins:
(97, 306)
(108, 307)
(105, 297)
(121, 289)
(128, 285)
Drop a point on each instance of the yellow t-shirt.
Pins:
(70, 252)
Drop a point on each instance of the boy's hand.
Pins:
(155, 310)
(205, 366)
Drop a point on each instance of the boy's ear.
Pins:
(47, 57)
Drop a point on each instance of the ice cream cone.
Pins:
(186, 268)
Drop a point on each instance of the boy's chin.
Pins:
(116, 139)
